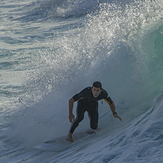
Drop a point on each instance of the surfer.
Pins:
(88, 101)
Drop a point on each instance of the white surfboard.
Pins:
(59, 144)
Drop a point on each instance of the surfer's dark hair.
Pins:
(97, 84)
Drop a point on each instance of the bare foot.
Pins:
(98, 129)
(69, 137)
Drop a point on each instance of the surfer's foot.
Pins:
(69, 137)
(98, 129)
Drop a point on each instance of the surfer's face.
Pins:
(96, 91)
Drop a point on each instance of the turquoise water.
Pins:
(50, 50)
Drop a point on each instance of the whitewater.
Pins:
(52, 49)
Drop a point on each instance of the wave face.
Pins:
(50, 50)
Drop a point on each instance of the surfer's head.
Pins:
(97, 84)
(96, 89)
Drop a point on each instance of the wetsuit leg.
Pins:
(79, 118)
(93, 112)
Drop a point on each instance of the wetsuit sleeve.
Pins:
(79, 96)
(107, 98)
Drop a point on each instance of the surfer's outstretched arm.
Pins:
(112, 107)
(71, 116)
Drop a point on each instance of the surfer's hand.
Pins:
(71, 118)
(116, 116)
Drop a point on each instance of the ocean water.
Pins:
(50, 50)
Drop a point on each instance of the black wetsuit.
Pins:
(87, 102)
